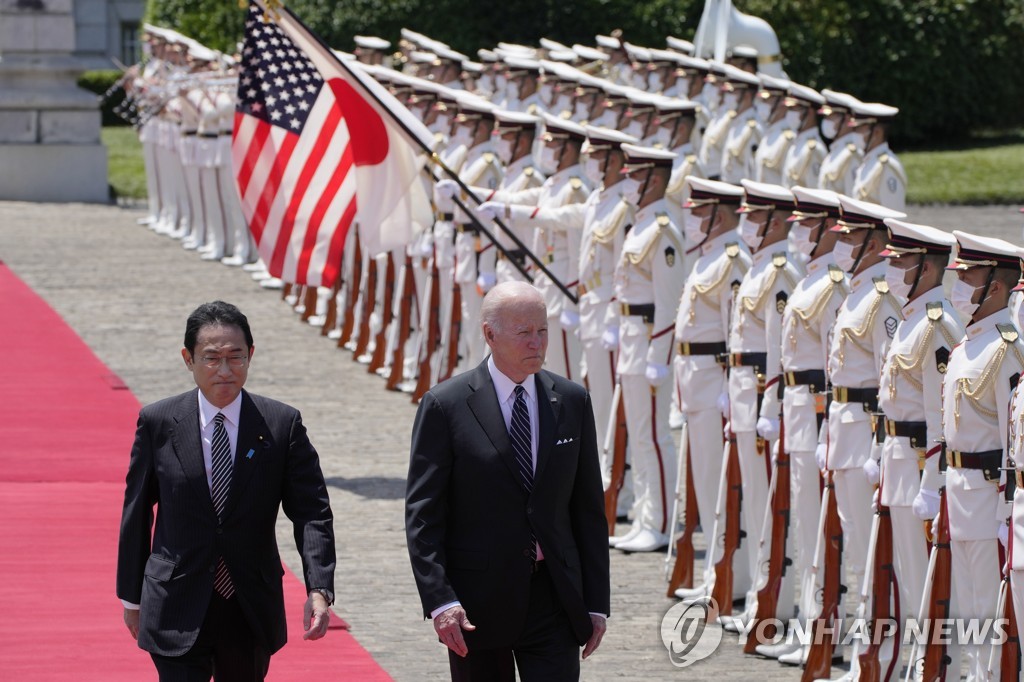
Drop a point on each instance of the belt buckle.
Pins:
(790, 378)
(890, 427)
(625, 309)
(953, 459)
(1019, 475)
(840, 394)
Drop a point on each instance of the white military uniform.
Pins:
(520, 175)
(741, 140)
(685, 165)
(770, 157)
(712, 145)
(880, 179)
(804, 159)
(839, 169)
(649, 273)
(705, 312)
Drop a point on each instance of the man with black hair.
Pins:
(200, 578)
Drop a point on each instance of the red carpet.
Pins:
(66, 427)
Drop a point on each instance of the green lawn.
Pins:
(991, 172)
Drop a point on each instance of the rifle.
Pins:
(768, 596)
(352, 294)
(682, 570)
(732, 485)
(433, 332)
(404, 326)
(369, 297)
(454, 331)
(381, 345)
(936, 660)
(331, 314)
(880, 587)
(1009, 650)
(309, 303)
(819, 658)
(615, 441)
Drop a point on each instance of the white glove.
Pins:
(768, 428)
(447, 188)
(610, 338)
(426, 248)
(486, 281)
(489, 210)
(820, 454)
(569, 320)
(656, 373)
(723, 403)
(1003, 532)
(871, 471)
(926, 504)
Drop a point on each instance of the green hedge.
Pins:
(948, 64)
(99, 82)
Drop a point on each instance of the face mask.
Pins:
(794, 119)
(961, 297)
(582, 111)
(895, 278)
(655, 82)
(693, 228)
(711, 95)
(547, 160)
(592, 171)
(661, 138)
(800, 236)
(830, 128)
(730, 101)
(634, 128)
(462, 136)
(512, 91)
(630, 189)
(485, 84)
(845, 255)
(501, 82)
(607, 119)
(1020, 306)
(546, 93)
(749, 233)
(763, 109)
(441, 124)
(639, 80)
(503, 149)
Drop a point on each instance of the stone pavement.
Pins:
(127, 292)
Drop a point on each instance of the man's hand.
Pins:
(600, 625)
(131, 621)
(315, 616)
(449, 625)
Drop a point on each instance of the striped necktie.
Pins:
(220, 451)
(522, 443)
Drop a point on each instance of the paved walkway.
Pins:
(127, 292)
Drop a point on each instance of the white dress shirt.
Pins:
(207, 412)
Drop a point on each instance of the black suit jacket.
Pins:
(469, 519)
(170, 571)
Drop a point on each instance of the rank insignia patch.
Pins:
(941, 359)
(780, 301)
(670, 256)
(890, 326)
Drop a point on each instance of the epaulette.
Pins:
(732, 249)
(532, 109)
(565, 114)
(528, 171)
(488, 157)
(812, 144)
(779, 259)
(934, 311)
(752, 123)
(788, 134)
(438, 137)
(883, 159)
(691, 159)
(1008, 332)
(881, 286)
(662, 219)
(851, 147)
(836, 273)
(576, 183)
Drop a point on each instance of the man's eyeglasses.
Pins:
(234, 361)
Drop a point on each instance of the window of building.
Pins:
(130, 53)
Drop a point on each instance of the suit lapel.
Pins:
(549, 406)
(188, 446)
(483, 401)
(253, 436)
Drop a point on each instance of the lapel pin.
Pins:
(249, 454)
(266, 443)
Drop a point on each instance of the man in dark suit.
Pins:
(202, 592)
(505, 510)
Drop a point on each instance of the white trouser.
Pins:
(853, 499)
(213, 212)
(804, 510)
(652, 451)
(976, 576)
(192, 223)
(704, 431)
(600, 381)
(754, 474)
(149, 159)
(240, 241)
(761, 549)
(473, 346)
(1017, 594)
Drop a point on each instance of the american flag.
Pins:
(313, 141)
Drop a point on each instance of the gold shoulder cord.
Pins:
(748, 132)
(808, 154)
(776, 161)
(704, 291)
(660, 225)
(851, 151)
(856, 336)
(870, 185)
(909, 365)
(622, 210)
(750, 304)
(809, 316)
(715, 140)
(976, 391)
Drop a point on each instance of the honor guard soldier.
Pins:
(639, 114)
(619, 70)
(755, 346)
(806, 321)
(648, 281)
(553, 211)
(721, 110)
(744, 58)
(690, 77)
(701, 335)
(607, 216)
(864, 328)
(372, 50)
(675, 130)
(880, 177)
(639, 58)
(610, 107)
(679, 45)
(779, 132)
(805, 156)
(910, 398)
(845, 147)
(983, 372)
(745, 131)
(1015, 491)
(523, 75)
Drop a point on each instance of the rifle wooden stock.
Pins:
(286, 290)
(682, 570)
(768, 596)
(404, 326)
(1009, 652)
(819, 658)
(352, 294)
(611, 495)
(722, 592)
(369, 296)
(884, 601)
(381, 343)
(331, 314)
(433, 335)
(454, 331)
(309, 303)
(936, 659)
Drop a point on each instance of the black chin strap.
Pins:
(917, 280)
(984, 291)
(711, 226)
(860, 253)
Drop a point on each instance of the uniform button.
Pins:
(529, 510)
(526, 553)
(213, 569)
(220, 531)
